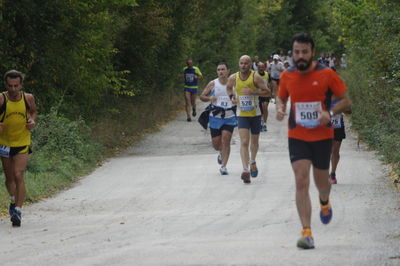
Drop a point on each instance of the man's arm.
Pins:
(280, 108)
(30, 124)
(343, 105)
(206, 91)
(198, 73)
(2, 99)
(231, 83)
(229, 88)
(262, 88)
(338, 87)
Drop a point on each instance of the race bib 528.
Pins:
(246, 103)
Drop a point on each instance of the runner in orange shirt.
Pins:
(310, 86)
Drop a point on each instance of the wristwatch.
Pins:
(331, 113)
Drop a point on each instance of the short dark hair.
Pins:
(223, 63)
(14, 74)
(303, 38)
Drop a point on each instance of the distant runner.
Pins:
(191, 75)
(276, 68)
(339, 135)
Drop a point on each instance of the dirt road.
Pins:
(163, 202)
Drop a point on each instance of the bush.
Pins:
(62, 151)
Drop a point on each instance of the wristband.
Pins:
(331, 113)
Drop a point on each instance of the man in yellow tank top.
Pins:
(248, 87)
(17, 118)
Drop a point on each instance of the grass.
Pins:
(65, 150)
(375, 115)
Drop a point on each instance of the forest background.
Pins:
(105, 72)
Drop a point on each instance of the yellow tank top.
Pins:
(247, 104)
(15, 133)
(265, 77)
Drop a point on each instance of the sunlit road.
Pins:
(163, 202)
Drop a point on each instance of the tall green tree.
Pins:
(65, 48)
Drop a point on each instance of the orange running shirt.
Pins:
(309, 94)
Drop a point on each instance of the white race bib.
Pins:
(246, 103)
(189, 77)
(4, 151)
(308, 113)
(224, 102)
(336, 121)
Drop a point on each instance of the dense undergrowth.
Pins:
(65, 150)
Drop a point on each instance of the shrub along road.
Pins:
(163, 202)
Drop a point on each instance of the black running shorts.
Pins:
(264, 99)
(217, 132)
(250, 122)
(339, 134)
(318, 152)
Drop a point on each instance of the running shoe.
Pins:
(219, 158)
(332, 178)
(189, 119)
(223, 170)
(16, 218)
(264, 128)
(253, 169)
(306, 240)
(326, 213)
(11, 208)
(194, 112)
(246, 177)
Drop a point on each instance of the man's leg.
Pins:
(321, 178)
(244, 135)
(264, 106)
(301, 169)
(193, 103)
(335, 157)
(216, 142)
(226, 146)
(9, 174)
(321, 159)
(20, 162)
(187, 105)
(254, 144)
(274, 88)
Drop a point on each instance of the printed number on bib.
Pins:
(4, 151)
(189, 77)
(308, 113)
(246, 103)
(336, 121)
(224, 102)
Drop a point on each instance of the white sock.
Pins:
(12, 199)
(18, 209)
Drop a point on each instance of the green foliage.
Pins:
(89, 60)
(374, 71)
(215, 35)
(65, 48)
(62, 140)
(62, 151)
